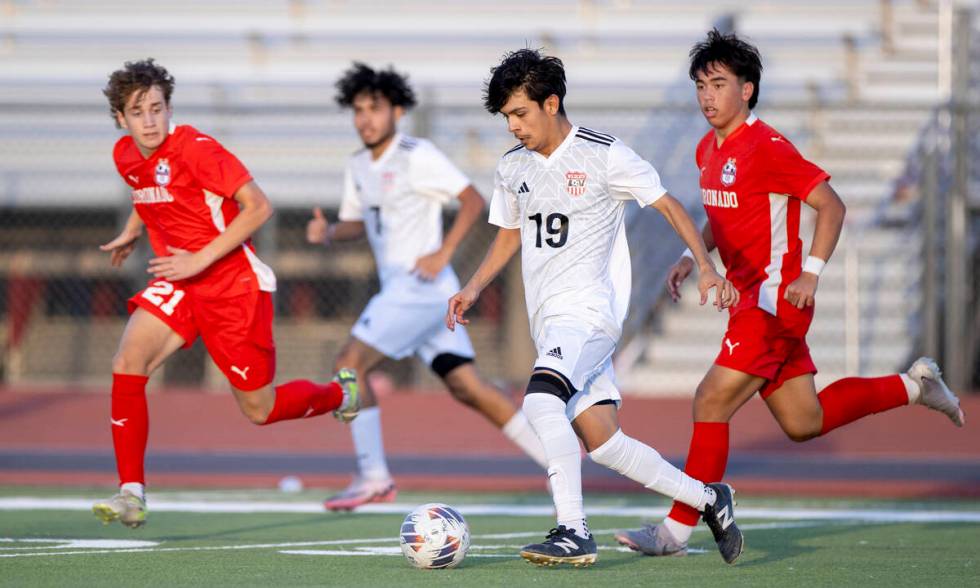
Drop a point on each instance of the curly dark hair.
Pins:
(136, 76)
(539, 76)
(740, 57)
(389, 83)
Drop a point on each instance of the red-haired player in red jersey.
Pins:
(200, 207)
(753, 185)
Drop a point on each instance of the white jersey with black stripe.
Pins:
(569, 208)
(399, 197)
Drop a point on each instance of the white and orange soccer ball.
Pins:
(435, 536)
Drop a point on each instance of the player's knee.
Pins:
(125, 363)
(256, 412)
(445, 365)
(801, 431)
(550, 382)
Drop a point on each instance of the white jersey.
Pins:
(399, 197)
(570, 208)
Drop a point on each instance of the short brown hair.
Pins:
(136, 76)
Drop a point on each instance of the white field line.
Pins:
(255, 507)
(288, 548)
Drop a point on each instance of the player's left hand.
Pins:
(726, 295)
(181, 265)
(802, 292)
(428, 266)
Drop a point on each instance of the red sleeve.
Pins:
(788, 172)
(699, 150)
(215, 167)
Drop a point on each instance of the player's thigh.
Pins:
(796, 407)
(146, 343)
(722, 392)
(237, 332)
(596, 424)
(578, 351)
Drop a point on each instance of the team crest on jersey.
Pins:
(162, 172)
(728, 172)
(388, 181)
(575, 182)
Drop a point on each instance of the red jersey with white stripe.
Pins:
(752, 188)
(184, 192)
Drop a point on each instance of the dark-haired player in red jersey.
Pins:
(200, 207)
(753, 185)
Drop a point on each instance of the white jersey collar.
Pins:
(389, 150)
(557, 153)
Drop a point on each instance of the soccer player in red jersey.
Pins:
(200, 207)
(753, 185)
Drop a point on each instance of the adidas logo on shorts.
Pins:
(556, 353)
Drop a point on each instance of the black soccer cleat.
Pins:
(720, 518)
(562, 545)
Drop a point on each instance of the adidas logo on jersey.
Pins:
(556, 353)
(524, 189)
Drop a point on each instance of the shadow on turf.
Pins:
(765, 547)
(226, 532)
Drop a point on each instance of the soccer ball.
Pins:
(435, 536)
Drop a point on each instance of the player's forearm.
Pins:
(504, 246)
(238, 231)
(471, 207)
(134, 224)
(708, 236)
(345, 231)
(678, 218)
(830, 220)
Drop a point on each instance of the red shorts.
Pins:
(237, 331)
(760, 344)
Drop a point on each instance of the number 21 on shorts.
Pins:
(158, 292)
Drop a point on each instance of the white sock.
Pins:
(680, 531)
(518, 429)
(911, 388)
(546, 413)
(640, 462)
(365, 430)
(134, 488)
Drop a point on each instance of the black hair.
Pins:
(136, 77)
(539, 76)
(389, 83)
(728, 50)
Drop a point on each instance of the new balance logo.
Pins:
(726, 518)
(241, 372)
(731, 346)
(119, 423)
(567, 544)
(524, 189)
(556, 353)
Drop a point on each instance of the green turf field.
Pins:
(798, 543)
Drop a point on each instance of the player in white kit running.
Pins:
(394, 192)
(560, 197)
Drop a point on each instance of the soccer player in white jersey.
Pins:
(394, 192)
(559, 198)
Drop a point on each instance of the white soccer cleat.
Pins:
(125, 507)
(933, 391)
(652, 540)
(361, 492)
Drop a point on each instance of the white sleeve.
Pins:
(504, 210)
(631, 177)
(432, 175)
(350, 203)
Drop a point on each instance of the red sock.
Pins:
(706, 461)
(849, 399)
(302, 398)
(130, 425)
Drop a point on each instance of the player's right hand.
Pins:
(458, 304)
(121, 247)
(676, 276)
(317, 230)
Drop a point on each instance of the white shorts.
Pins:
(583, 354)
(408, 317)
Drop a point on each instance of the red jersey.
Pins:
(184, 194)
(752, 188)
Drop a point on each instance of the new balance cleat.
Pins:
(351, 403)
(720, 518)
(933, 391)
(361, 492)
(125, 507)
(562, 545)
(652, 540)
